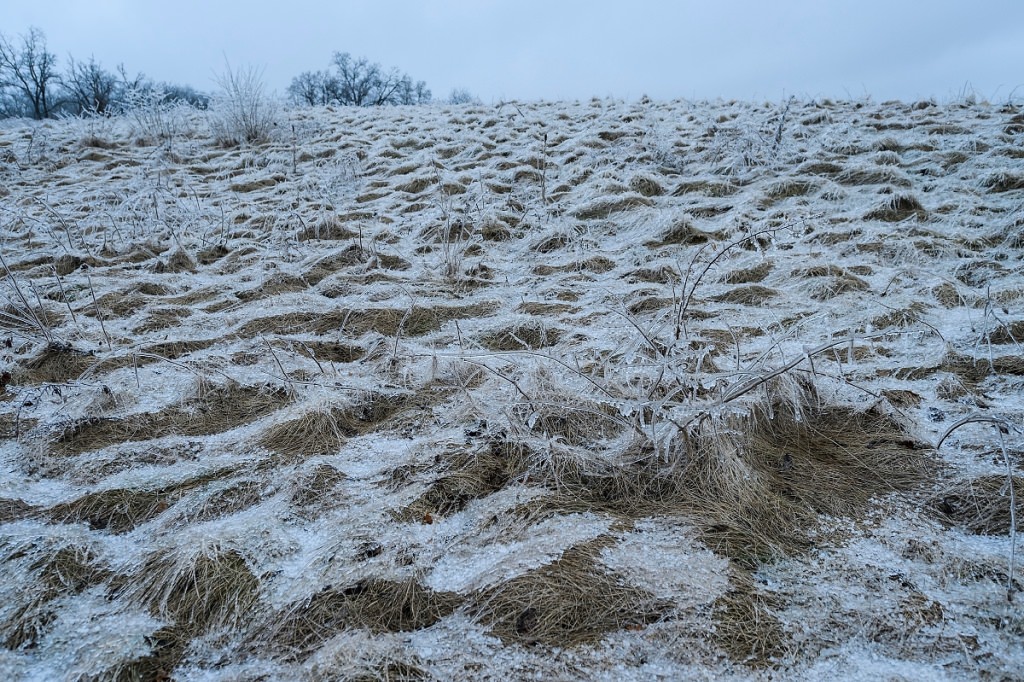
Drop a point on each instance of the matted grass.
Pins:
(58, 572)
(574, 600)
(214, 409)
(746, 627)
(57, 363)
(980, 505)
(414, 321)
(376, 604)
(197, 592)
(467, 476)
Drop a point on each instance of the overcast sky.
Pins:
(564, 49)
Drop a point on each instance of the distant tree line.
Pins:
(356, 82)
(32, 85)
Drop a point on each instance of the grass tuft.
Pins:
(572, 601)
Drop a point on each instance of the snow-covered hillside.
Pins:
(601, 390)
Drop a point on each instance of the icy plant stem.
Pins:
(1013, 517)
(1002, 426)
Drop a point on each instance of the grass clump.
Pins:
(571, 601)
(318, 432)
(468, 476)
(212, 410)
(683, 232)
(375, 604)
(897, 208)
(414, 321)
(118, 510)
(57, 572)
(58, 363)
(746, 627)
(752, 294)
(602, 208)
(212, 589)
(751, 275)
(527, 336)
(980, 505)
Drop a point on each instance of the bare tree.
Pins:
(357, 79)
(30, 71)
(314, 88)
(462, 96)
(90, 88)
(357, 82)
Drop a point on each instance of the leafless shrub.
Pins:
(243, 112)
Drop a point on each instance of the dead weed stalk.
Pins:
(1003, 427)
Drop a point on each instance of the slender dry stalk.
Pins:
(1003, 427)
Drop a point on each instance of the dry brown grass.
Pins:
(755, 487)
(415, 321)
(197, 592)
(574, 600)
(786, 189)
(526, 336)
(331, 229)
(980, 505)
(880, 175)
(710, 188)
(467, 476)
(315, 490)
(162, 318)
(323, 431)
(602, 208)
(837, 286)
(211, 254)
(972, 371)
(751, 294)
(646, 186)
(1012, 332)
(902, 317)
(57, 363)
(236, 497)
(544, 309)
(21, 319)
(751, 275)
(1004, 182)
(685, 233)
(318, 432)
(331, 351)
(15, 510)
(898, 207)
(212, 410)
(746, 627)
(118, 511)
(179, 261)
(948, 296)
(57, 572)
(376, 604)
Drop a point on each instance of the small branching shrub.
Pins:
(242, 113)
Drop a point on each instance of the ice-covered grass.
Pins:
(599, 390)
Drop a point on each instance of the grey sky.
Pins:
(565, 49)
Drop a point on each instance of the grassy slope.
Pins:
(587, 390)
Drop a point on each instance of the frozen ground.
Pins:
(601, 390)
